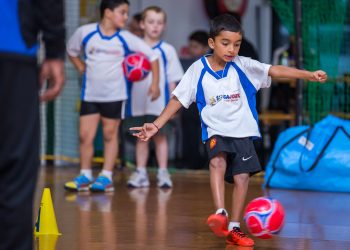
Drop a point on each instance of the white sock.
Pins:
(233, 224)
(107, 173)
(87, 173)
(221, 210)
(142, 170)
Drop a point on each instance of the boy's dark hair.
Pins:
(237, 16)
(199, 36)
(111, 4)
(137, 17)
(225, 22)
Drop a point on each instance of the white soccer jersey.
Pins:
(103, 80)
(226, 99)
(170, 70)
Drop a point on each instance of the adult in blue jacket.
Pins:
(20, 23)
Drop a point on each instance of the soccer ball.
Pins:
(264, 217)
(136, 67)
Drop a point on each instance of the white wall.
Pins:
(185, 16)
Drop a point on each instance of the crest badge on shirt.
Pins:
(212, 143)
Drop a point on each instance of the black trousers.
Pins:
(19, 151)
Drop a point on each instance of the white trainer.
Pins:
(164, 180)
(138, 180)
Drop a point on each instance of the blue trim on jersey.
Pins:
(12, 39)
(249, 89)
(84, 43)
(127, 51)
(128, 110)
(219, 72)
(227, 66)
(87, 38)
(210, 71)
(106, 37)
(83, 87)
(129, 85)
(165, 65)
(158, 44)
(201, 103)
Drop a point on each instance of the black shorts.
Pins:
(241, 155)
(112, 110)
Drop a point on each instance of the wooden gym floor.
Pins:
(154, 219)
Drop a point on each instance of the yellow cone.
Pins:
(46, 221)
(46, 242)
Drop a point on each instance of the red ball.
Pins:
(264, 217)
(136, 67)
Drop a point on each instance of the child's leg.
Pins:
(104, 182)
(161, 143)
(163, 176)
(87, 130)
(142, 152)
(217, 168)
(218, 221)
(110, 140)
(139, 178)
(240, 188)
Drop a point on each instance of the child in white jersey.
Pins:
(224, 86)
(144, 109)
(104, 89)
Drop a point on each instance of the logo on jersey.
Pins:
(94, 50)
(212, 143)
(212, 101)
(225, 97)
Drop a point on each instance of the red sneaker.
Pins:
(237, 237)
(218, 224)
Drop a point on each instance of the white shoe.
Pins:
(164, 180)
(138, 180)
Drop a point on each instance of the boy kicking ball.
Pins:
(224, 86)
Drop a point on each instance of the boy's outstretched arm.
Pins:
(150, 129)
(279, 71)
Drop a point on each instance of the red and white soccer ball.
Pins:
(136, 67)
(264, 217)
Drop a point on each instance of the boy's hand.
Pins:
(154, 91)
(78, 64)
(81, 68)
(145, 132)
(318, 76)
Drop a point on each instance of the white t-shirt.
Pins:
(103, 80)
(225, 100)
(170, 70)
